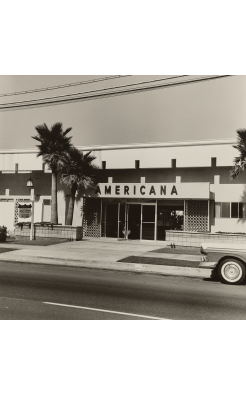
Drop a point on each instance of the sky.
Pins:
(205, 110)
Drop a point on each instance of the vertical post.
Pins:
(105, 218)
(32, 215)
(118, 228)
(141, 222)
(155, 232)
(126, 221)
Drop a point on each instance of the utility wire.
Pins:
(70, 95)
(83, 96)
(49, 88)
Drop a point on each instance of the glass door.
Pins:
(133, 221)
(148, 228)
(122, 220)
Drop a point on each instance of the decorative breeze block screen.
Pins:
(196, 216)
(16, 211)
(91, 218)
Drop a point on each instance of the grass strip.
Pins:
(38, 242)
(2, 250)
(159, 261)
(186, 251)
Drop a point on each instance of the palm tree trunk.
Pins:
(69, 220)
(54, 213)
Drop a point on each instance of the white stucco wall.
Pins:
(230, 225)
(186, 156)
(7, 213)
(229, 192)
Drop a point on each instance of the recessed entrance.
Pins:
(125, 220)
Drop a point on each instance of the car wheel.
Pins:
(232, 271)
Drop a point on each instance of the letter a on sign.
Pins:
(152, 190)
(174, 190)
(98, 190)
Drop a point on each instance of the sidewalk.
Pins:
(106, 254)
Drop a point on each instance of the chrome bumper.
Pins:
(208, 265)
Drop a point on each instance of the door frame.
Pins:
(126, 204)
(155, 227)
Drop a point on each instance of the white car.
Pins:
(228, 259)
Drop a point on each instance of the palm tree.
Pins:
(54, 145)
(78, 171)
(239, 161)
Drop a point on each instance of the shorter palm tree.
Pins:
(53, 147)
(239, 161)
(78, 171)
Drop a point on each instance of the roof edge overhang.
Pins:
(134, 146)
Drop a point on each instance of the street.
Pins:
(31, 291)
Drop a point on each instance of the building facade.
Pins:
(144, 190)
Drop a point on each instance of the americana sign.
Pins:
(25, 212)
(199, 190)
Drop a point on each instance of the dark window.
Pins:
(225, 210)
(47, 202)
(240, 210)
(16, 167)
(213, 162)
(137, 162)
(173, 163)
(104, 164)
(234, 210)
(43, 166)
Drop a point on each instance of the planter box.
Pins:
(194, 239)
(61, 232)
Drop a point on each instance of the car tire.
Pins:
(231, 271)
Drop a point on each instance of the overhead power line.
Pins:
(103, 93)
(93, 91)
(50, 88)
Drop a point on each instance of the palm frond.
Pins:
(54, 144)
(239, 161)
(78, 168)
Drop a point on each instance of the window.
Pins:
(173, 163)
(137, 163)
(104, 164)
(217, 210)
(213, 162)
(230, 210)
(234, 210)
(225, 210)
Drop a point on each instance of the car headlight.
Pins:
(202, 251)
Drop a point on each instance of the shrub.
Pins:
(3, 234)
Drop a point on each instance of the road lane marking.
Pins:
(106, 311)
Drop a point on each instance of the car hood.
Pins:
(232, 247)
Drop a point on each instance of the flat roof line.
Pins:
(133, 146)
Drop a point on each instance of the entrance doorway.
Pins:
(126, 220)
(133, 221)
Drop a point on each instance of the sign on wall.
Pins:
(24, 212)
(199, 190)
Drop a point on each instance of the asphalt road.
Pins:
(34, 291)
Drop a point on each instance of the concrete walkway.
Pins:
(102, 254)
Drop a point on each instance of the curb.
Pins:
(117, 266)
